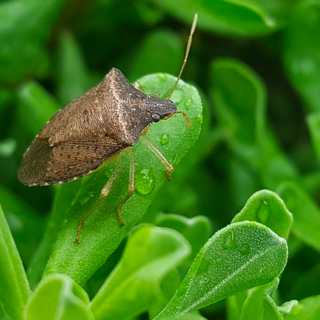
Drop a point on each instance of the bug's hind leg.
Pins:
(161, 157)
(104, 192)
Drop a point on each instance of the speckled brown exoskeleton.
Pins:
(108, 119)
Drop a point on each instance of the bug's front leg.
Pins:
(161, 157)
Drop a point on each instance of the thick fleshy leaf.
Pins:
(161, 51)
(102, 233)
(239, 257)
(241, 112)
(25, 224)
(14, 288)
(196, 230)
(306, 309)
(260, 305)
(72, 76)
(266, 207)
(242, 17)
(134, 284)
(22, 40)
(63, 200)
(59, 297)
(313, 120)
(306, 214)
(301, 51)
(37, 104)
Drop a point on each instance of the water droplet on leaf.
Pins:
(244, 248)
(162, 77)
(199, 119)
(262, 213)
(145, 181)
(229, 241)
(188, 103)
(109, 172)
(164, 139)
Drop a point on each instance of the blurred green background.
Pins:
(256, 64)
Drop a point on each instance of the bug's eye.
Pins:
(156, 117)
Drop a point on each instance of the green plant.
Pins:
(185, 252)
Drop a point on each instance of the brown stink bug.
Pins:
(108, 119)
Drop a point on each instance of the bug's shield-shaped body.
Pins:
(91, 129)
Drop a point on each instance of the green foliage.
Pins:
(235, 234)
(59, 297)
(15, 290)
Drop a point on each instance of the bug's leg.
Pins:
(104, 192)
(137, 85)
(161, 157)
(131, 186)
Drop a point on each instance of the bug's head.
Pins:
(160, 108)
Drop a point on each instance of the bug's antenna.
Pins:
(193, 28)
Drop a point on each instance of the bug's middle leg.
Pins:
(131, 186)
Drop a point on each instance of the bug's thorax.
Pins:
(127, 111)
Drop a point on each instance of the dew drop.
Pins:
(162, 77)
(229, 241)
(109, 172)
(204, 266)
(85, 199)
(164, 139)
(188, 103)
(80, 262)
(263, 212)
(244, 248)
(145, 181)
(199, 119)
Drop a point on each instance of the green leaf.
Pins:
(58, 297)
(167, 288)
(22, 39)
(239, 257)
(241, 113)
(160, 51)
(25, 224)
(234, 305)
(260, 305)
(266, 207)
(245, 18)
(14, 289)
(288, 306)
(196, 230)
(192, 316)
(7, 147)
(301, 48)
(306, 309)
(313, 121)
(134, 284)
(306, 214)
(101, 233)
(36, 107)
(240, 108)
(72, 76)
(63, 200)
